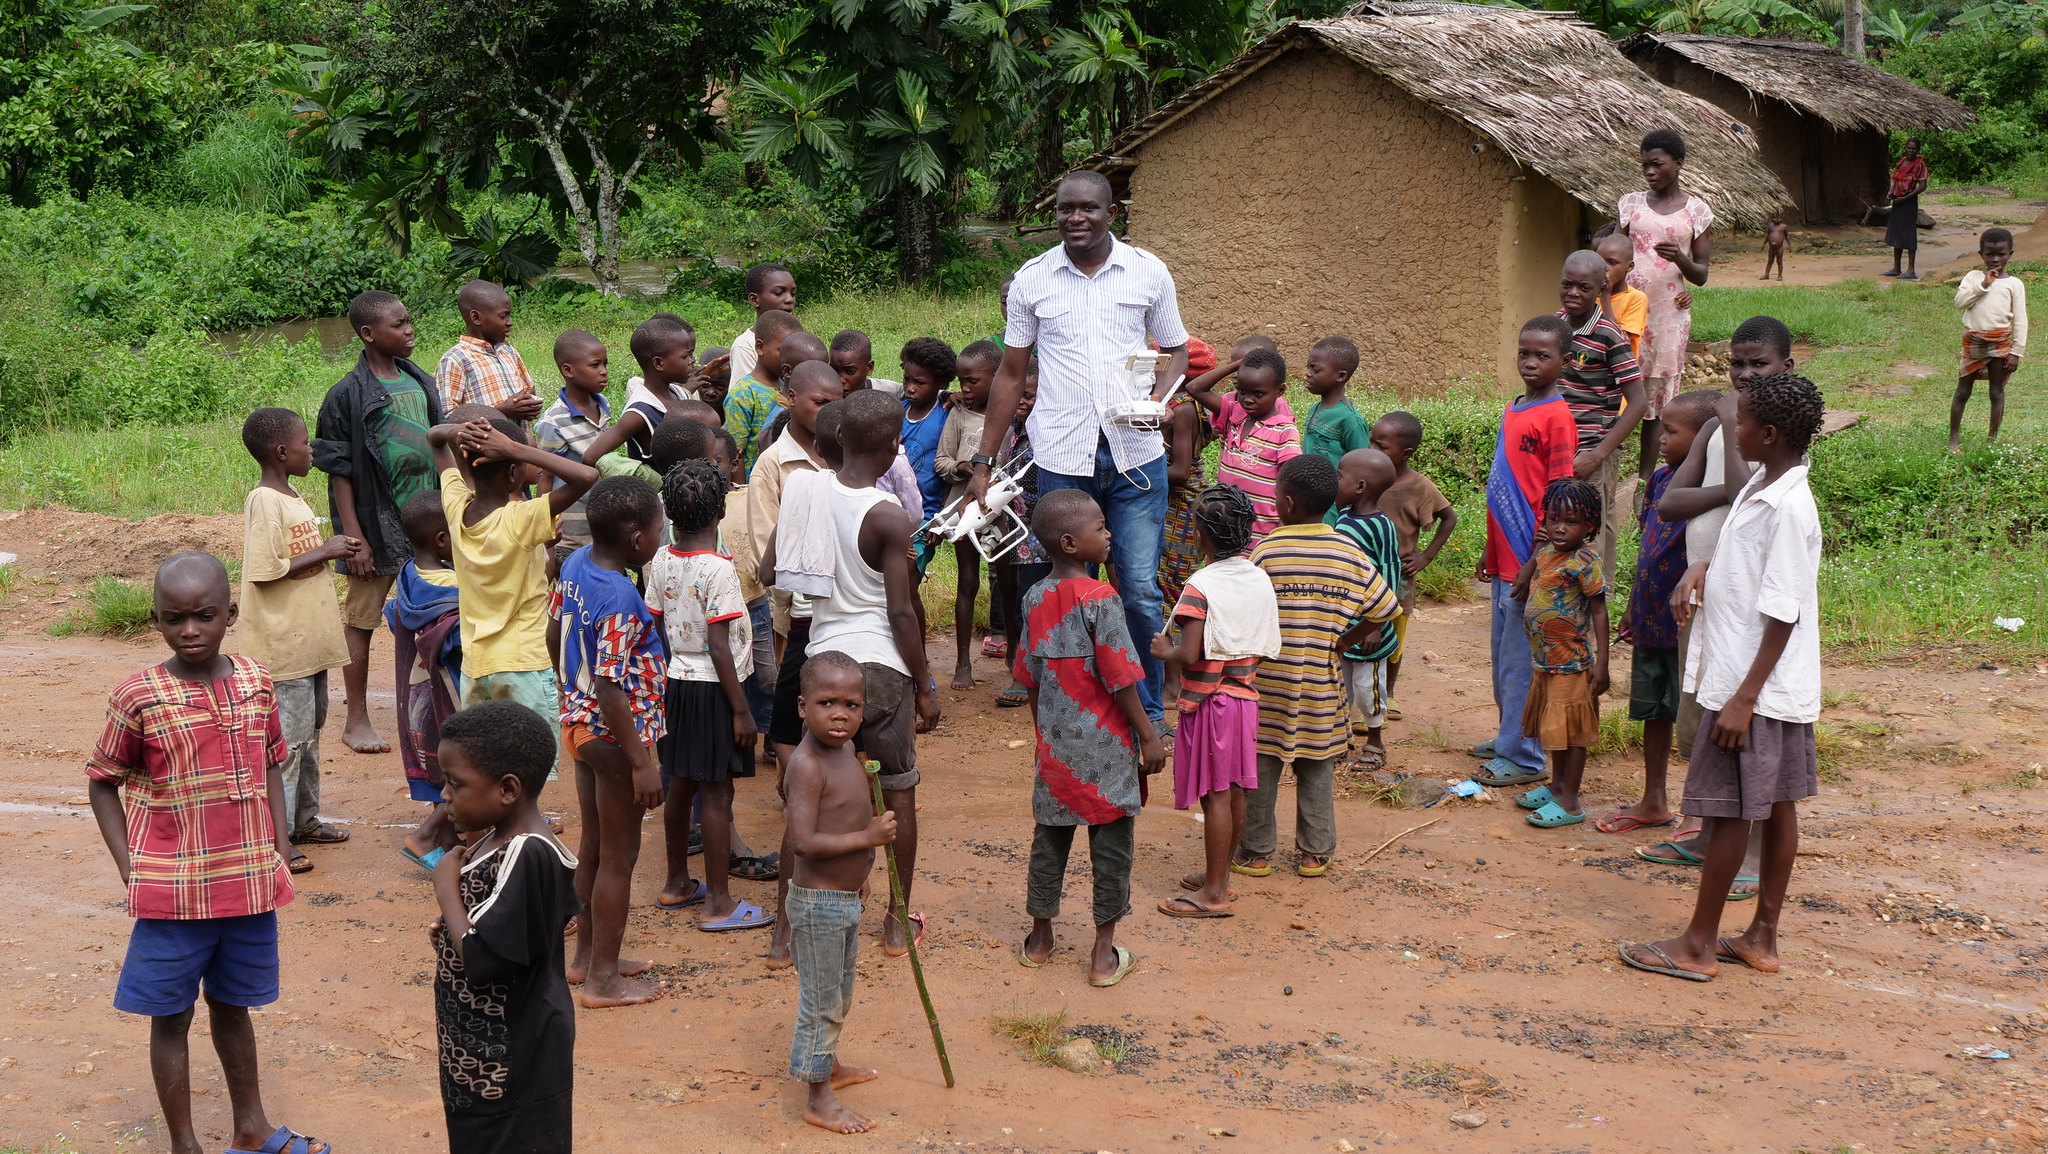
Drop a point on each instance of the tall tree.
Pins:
(582, 92)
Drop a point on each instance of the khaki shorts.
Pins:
(363, 607)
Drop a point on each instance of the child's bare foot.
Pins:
(360, 737)
(1644, 814)
(580, 969)
(1672, 958)
(844, 1076)
(1757, 949)
(963, 675)
(1955, 447)
(779, 955)
(620, 991)
(893, 944)
(825, 1111)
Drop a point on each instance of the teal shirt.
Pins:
(1382, 545)
(1334, 430)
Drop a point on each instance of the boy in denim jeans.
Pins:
(833, 831)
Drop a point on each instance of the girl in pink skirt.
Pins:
(1215, 755)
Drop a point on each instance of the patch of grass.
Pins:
(1436, 734)
(1115, 1049)
(1391, 792)
(10, 578)
(1040, 1034)
(1617, 733)
(1830, 698)
(113, 608)
(1832, 751)
(2029, 777)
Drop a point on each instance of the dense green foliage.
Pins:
(1994, 59)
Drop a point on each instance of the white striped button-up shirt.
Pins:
(1084, 327)
(1767, 564)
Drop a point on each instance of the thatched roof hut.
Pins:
(1822, 120)
(1383, 153)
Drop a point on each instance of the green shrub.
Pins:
(245, 162)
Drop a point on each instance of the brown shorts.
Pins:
(1778, 762)
(888, 727)
(363, 608)
(1561, 713)
(576, 735)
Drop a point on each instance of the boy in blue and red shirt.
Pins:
(1536, 445)
(186, 786)
(1095, 744)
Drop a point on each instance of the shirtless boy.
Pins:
(833, 832)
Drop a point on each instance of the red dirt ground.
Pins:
(1469, 968)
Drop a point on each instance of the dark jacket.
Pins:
(342, 447)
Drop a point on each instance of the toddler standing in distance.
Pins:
(482, 367)
(695, 592)
(976, 369)
(1215, 748)
(1094, 740)
(1362, 480)
(1774, 246)
(187, 791)
(770, 288)
(505, 1026)
(1535, 447)
(833, 832)
(1565, 610)
(1330, 599)
(1994, 305)
(290, 621)
(1412, 502)
(1257, 428)
(1756, 668)
(576, 418)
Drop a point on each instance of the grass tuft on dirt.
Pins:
(113, 608)
(1040, 1034)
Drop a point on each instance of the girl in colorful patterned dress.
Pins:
(1669, 230)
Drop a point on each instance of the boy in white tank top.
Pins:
(871, 616)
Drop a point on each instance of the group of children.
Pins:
(617, 588)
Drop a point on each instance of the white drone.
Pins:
(1125, 397)
(995, 526)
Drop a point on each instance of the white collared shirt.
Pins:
(1766, 564)
(1084, 327)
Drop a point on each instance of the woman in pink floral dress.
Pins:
(1669, 230)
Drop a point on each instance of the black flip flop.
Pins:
(754, 869)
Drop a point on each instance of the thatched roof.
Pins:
(1812, 78)
(1547, 89)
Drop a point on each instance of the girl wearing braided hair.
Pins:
(1564, 607)
(1215, 751)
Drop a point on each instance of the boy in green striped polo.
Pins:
(1362, 476)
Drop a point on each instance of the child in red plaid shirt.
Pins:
(187, 790)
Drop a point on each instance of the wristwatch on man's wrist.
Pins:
(982, 459)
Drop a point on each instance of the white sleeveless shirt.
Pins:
(854, 619)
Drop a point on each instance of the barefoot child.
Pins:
(290, 621)
(695, 592)
(371, 441)
(506, 1029)
(612, 719)
(1215, 748)
(976, 369)
(1535, 447)
(1565, 611)
(1331, 599)
(1256, 427)
(1774, 246)
(1362, 480)
(1094, 740)
(1655, 673)
(1994, 305)
(426, 634)
(1756, 667)
(187, 790)
(833, 830)
(1413, 503)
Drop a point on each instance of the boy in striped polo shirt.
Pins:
(1257, 429)
(1331, 598)
(1603, 386)
(1363, 475)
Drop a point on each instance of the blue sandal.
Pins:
(1499, 771)
(744, 916)
(286, 1142)
(1553, 815)
(1536, 798)
(696, 897)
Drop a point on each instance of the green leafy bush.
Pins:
(245, 162)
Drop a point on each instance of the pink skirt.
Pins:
(1216, 747)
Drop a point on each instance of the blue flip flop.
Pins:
(286, 1142)
(1499, 771)
(744, 916)
(696, 898)
(1536, 798)
(427, 861)
(1553, 815)
(1677, 855)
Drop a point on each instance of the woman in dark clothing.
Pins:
(1902, 228)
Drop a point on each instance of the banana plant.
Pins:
(1899, 30)
(1733, 17)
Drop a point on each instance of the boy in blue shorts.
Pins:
(187, 789)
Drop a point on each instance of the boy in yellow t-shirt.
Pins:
(290, 619)
(499, 544)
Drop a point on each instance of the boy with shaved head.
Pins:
(1603, 386)
(483, 368)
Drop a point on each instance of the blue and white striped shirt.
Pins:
(1084, 327)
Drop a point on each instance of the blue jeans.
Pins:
(1514, 666)
(760, 688)
(1134, 503)
(824, 933)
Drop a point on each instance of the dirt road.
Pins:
(1470, 969)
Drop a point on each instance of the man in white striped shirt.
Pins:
(1087, 305)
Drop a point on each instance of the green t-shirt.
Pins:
(401, 436)
(1334, 430)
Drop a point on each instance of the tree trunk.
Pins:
(1852, 28)
(579, 208)
(917, 234)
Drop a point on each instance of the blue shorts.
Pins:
(169, 958)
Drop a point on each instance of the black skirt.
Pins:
(698, 746)
(1902, 228)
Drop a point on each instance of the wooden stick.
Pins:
(1397, 837)
(931, 1015)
